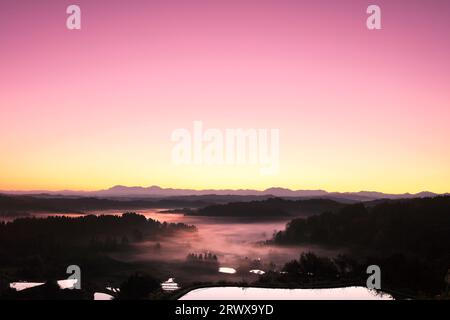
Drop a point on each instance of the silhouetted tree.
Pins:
(138, 286)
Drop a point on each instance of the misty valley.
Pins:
(244, 248)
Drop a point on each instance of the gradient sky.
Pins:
(356, 109)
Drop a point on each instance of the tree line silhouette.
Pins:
(37, 235)
(42, 248)
(273, 207)
(408, 239)
(207, 256)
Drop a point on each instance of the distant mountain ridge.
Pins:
(158, 192)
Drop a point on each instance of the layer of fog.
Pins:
(231, 240)
(237, 244)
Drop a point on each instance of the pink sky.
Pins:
(356, 109)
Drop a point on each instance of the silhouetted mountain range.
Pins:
(158, 192)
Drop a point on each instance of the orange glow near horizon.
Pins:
(356, 109)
